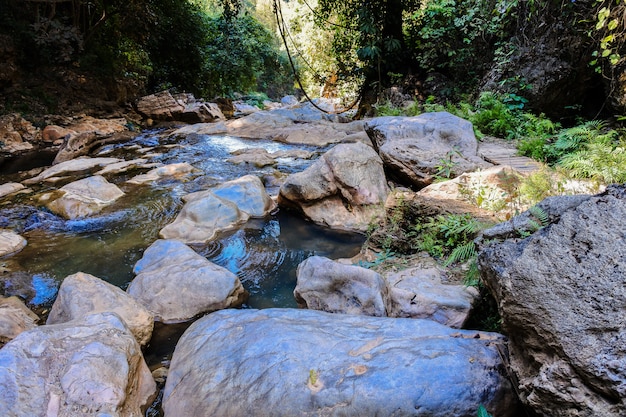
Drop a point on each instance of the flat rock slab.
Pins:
(289, 362)
(176, 284)
(176, 171)
(92, 367)
(10, 188)
(72, 166)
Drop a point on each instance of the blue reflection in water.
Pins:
(265, 255)
(46, 288)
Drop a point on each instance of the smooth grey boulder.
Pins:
(290, 362)
(344, 189)
(10, 242)
(419, 293)
(206, 213)
(15, 318)
(412, 148)
(88, 367)
(176, 284)
(323, 284)
(82, 198)
(81, 294)
(562, 297)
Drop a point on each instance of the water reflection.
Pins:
(264, 253)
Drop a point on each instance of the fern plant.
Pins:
(601, 160)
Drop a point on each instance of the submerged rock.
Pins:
(82, 198)
(176, 284)
(87, 367)
(562, 299)
(81, 294)
(15, 318)
(287, 362)
(413, 148)
(344, 189)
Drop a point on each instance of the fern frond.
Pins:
(539, 214)
(461, 253)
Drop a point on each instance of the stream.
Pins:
(264, 253)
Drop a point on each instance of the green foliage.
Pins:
(609, 34)
(494, 117)
(441, 235)
(454, 37)
(482, 412)
(601, 158)
(445, 167)
(242, 55)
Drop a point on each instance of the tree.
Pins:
(375, 30)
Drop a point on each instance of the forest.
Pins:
(521, 69)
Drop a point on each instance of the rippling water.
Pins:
(264, 253)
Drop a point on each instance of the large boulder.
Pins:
(206, 213)
(82, 198)
(323, 284)
(562, 299)
(420, 293)
(289, 362)
(10, 242)
(81, 294)
(494, 190)
(15, 318)
(176, 284)
(160, 106)
(88, 367)
(414, 149)
(344, 189)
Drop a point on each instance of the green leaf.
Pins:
(482, 412)
(612, 24)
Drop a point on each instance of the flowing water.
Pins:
(264, 253)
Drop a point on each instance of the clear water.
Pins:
(264, 253)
